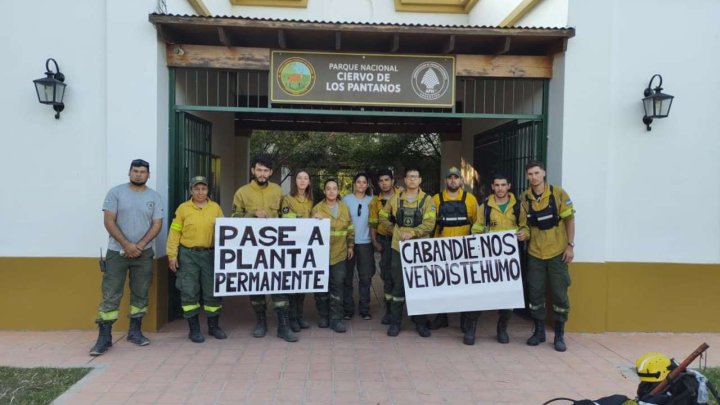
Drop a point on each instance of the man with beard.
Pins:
(547, 221)
(457, 211)
(381, 235)
(261, 199)
(499, 212)
(133, 214)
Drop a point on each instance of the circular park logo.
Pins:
(296, 76)
(430, 80)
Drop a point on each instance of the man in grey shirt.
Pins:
(133, 214)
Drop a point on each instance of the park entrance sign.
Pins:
(362, 79)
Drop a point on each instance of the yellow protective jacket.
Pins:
(294, 207)
(377, 204)
(193, 226)
(471, 206)
(423, 230)
(546, 244)
(499, 221)
(342, 231)
(252, 197)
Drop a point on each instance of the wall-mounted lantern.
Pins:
(51, 88)
(656, 103)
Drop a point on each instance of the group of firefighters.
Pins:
(360, 226)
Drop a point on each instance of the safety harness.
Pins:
(547, 217)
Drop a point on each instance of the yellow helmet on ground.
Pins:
(653, 366)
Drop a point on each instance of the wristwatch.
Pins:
(571, 244)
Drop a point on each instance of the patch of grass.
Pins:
(713, 375)
(39, 385)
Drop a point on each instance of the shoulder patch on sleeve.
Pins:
(286, 210)
(568, 202)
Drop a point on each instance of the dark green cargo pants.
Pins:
(330, 304)
(555, 271)
(195, 278)
(113, 284)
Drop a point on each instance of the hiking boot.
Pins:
(135, 333)
(422, 329)
(469, 334)
(214, 328)
(559, 342)
(393, 330)
(338, 326)
(502, 334)
(283, 329)
(538, 335)
(194, 326)
(104, 340)
(260, 325)
(440, 321)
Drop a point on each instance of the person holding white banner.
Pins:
(456, 212)
(190, 257)
(412, 214)
(342, 238)
(261, 199)
(298, 204)
(547, 220)
(499, 212)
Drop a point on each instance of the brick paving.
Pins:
(362, 366)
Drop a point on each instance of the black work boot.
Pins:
(283, 328)
(396, 310)
(463, 321)
(104, 340)
(194, 325)
(440, 321)
(135, 333)
(469, 334)
(260, 325)
(293, 317)
(300, 310)
(338, 326)
(560, 336)
(387, 318)
(538, 335)
(502, 334)
(421, 326)
(214, 328)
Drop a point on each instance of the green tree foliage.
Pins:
(341, 155)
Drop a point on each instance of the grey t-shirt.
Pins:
(134, 210)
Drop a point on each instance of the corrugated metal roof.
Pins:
(390, 24)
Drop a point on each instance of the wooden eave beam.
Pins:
(282, 44)
(395, 46)
(519, 12)
(224, 38)
(338, 40)
(504, 46)
(450, 46)
(220, 57)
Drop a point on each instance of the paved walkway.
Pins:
(363, 366)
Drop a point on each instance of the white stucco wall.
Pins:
(633, 188)
(61, 169)
(325, 10)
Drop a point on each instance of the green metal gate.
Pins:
(191, 148)
(507, 149)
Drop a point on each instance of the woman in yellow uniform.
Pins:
(298, 204)
(190, 254)
(342, 239)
